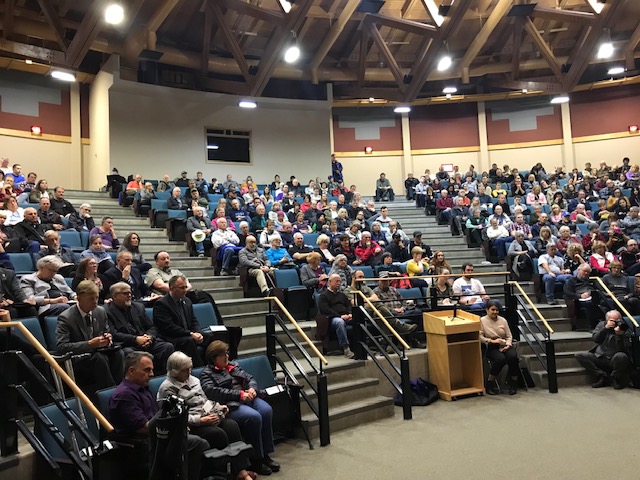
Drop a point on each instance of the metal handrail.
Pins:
(422, 277)
(60, 371)
(533, 307)
(284, 310)
(613, 297)
(384, 320)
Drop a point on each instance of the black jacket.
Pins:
(138, 287)
(10, 286)
(33, 233)
(78, 223)
(218, 384)
(125, 332)
(167, 319)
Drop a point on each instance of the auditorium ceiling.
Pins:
(371, 51)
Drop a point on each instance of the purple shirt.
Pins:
(131, 407)
(107, 238)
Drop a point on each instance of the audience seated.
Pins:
(336, 306)
(61, 205)
(98, 252)
(31, 231)
(228, 383)
(47, 288)
(88, 271)
(253, 258)
(131, 244)
(83, 329)
(50, 219)
(82, 220)
(198, 222)
(125, 271)
(470, 290)
(107, 233)
(496, 336)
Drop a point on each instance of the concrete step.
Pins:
(254, 337)
(564, 360)
(241, 305)
(87, 194)
(564, 342)
(255, 318)
(342, 393)
(226, 293)
(567, 377)
(152, 235)
(352, 414)
(174, 250)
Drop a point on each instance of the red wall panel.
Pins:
(444, 126)
(502, 131)
(345, 138)
(609, 110)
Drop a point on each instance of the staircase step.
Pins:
(563, 360)
(567, 377)
(241, 305)
(341, 393)
(352, 414)
(564, 342)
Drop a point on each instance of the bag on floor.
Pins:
(422, 393)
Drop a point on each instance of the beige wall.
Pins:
(364, 171)
(524, 158)
(611, 151)
(96, 164)
(158, 130)
(50, 160)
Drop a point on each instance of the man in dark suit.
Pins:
(69, 259)
(132, 329)
(32, 230)
(83, 328)
(50, 219)
(13, 298)
(176, 322)
(175, 201)
(125, 271)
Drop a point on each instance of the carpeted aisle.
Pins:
(574, 434)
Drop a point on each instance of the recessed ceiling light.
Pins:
(615, 70)
(524, 90)
(444, 63)
(247, 104)
(560, 99)
(371, 99)
(114, 14)
(402, 109)
(605, 50)
(62, 75)
(28, 62)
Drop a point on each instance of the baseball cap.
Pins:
(383, 274)
(417, 233)
(566, 214)
(396, 235)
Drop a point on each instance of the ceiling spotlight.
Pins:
(371, 99)
(247, 104)
(444, 63)
(448, 96)
(62, 75)
(616, 70)
(524, 90)
(402, 109)
(286, 5)
(605, 50)
(28, 62)
(114, 14)
(292, 54)
(560, 99)
(449, 90)
(597, 5)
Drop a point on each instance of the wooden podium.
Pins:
(455, 357)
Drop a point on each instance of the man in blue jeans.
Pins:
(551, 267)
(336, 305)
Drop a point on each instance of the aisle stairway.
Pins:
(357, 393)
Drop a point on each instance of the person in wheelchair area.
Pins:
(496, 335)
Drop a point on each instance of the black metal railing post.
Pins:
(323, 410)
(405, 379)
(8, 404)
(271, 339)
(552, 374)
(511, 305)
(358, 337)
(433, 292)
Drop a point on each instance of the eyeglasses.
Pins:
(126, 294)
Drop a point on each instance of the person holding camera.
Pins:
(610, 359)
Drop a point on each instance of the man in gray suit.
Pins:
(83, 329)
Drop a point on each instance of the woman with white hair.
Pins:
(207, 418)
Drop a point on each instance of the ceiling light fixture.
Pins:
(597, 5)
(449, 90)
(292, 54)
(371, 99)
(28, 62)
(285, 5)
(560, 99)
(444, 63)
(616, 70)
(247, 104)
(64, 76)
(606, 50)
(402, 109)
(524, 90)
(114, 14)
(434, 11)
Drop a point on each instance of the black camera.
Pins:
(622, 325)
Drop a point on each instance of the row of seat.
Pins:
(23, 262)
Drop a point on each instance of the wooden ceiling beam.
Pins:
(215, 8)
(406, 7)
(497, 14)
(7, 19)
(629, 48)
(244, 8)
(517, 44)
(206, 41)
(392, 64)
(45, 55)
(389, 94)
(364, 52)
(330, 39)
(421, 69)
(543, 47)
(410, 26)
(551, 87)
(274, 50)
(588, 49)
(86, 33)
(54, 22)
(563, 16)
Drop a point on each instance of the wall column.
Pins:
(485, 162)
(75, 157)
(407, 158)
(568, 157)
(330, 102)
